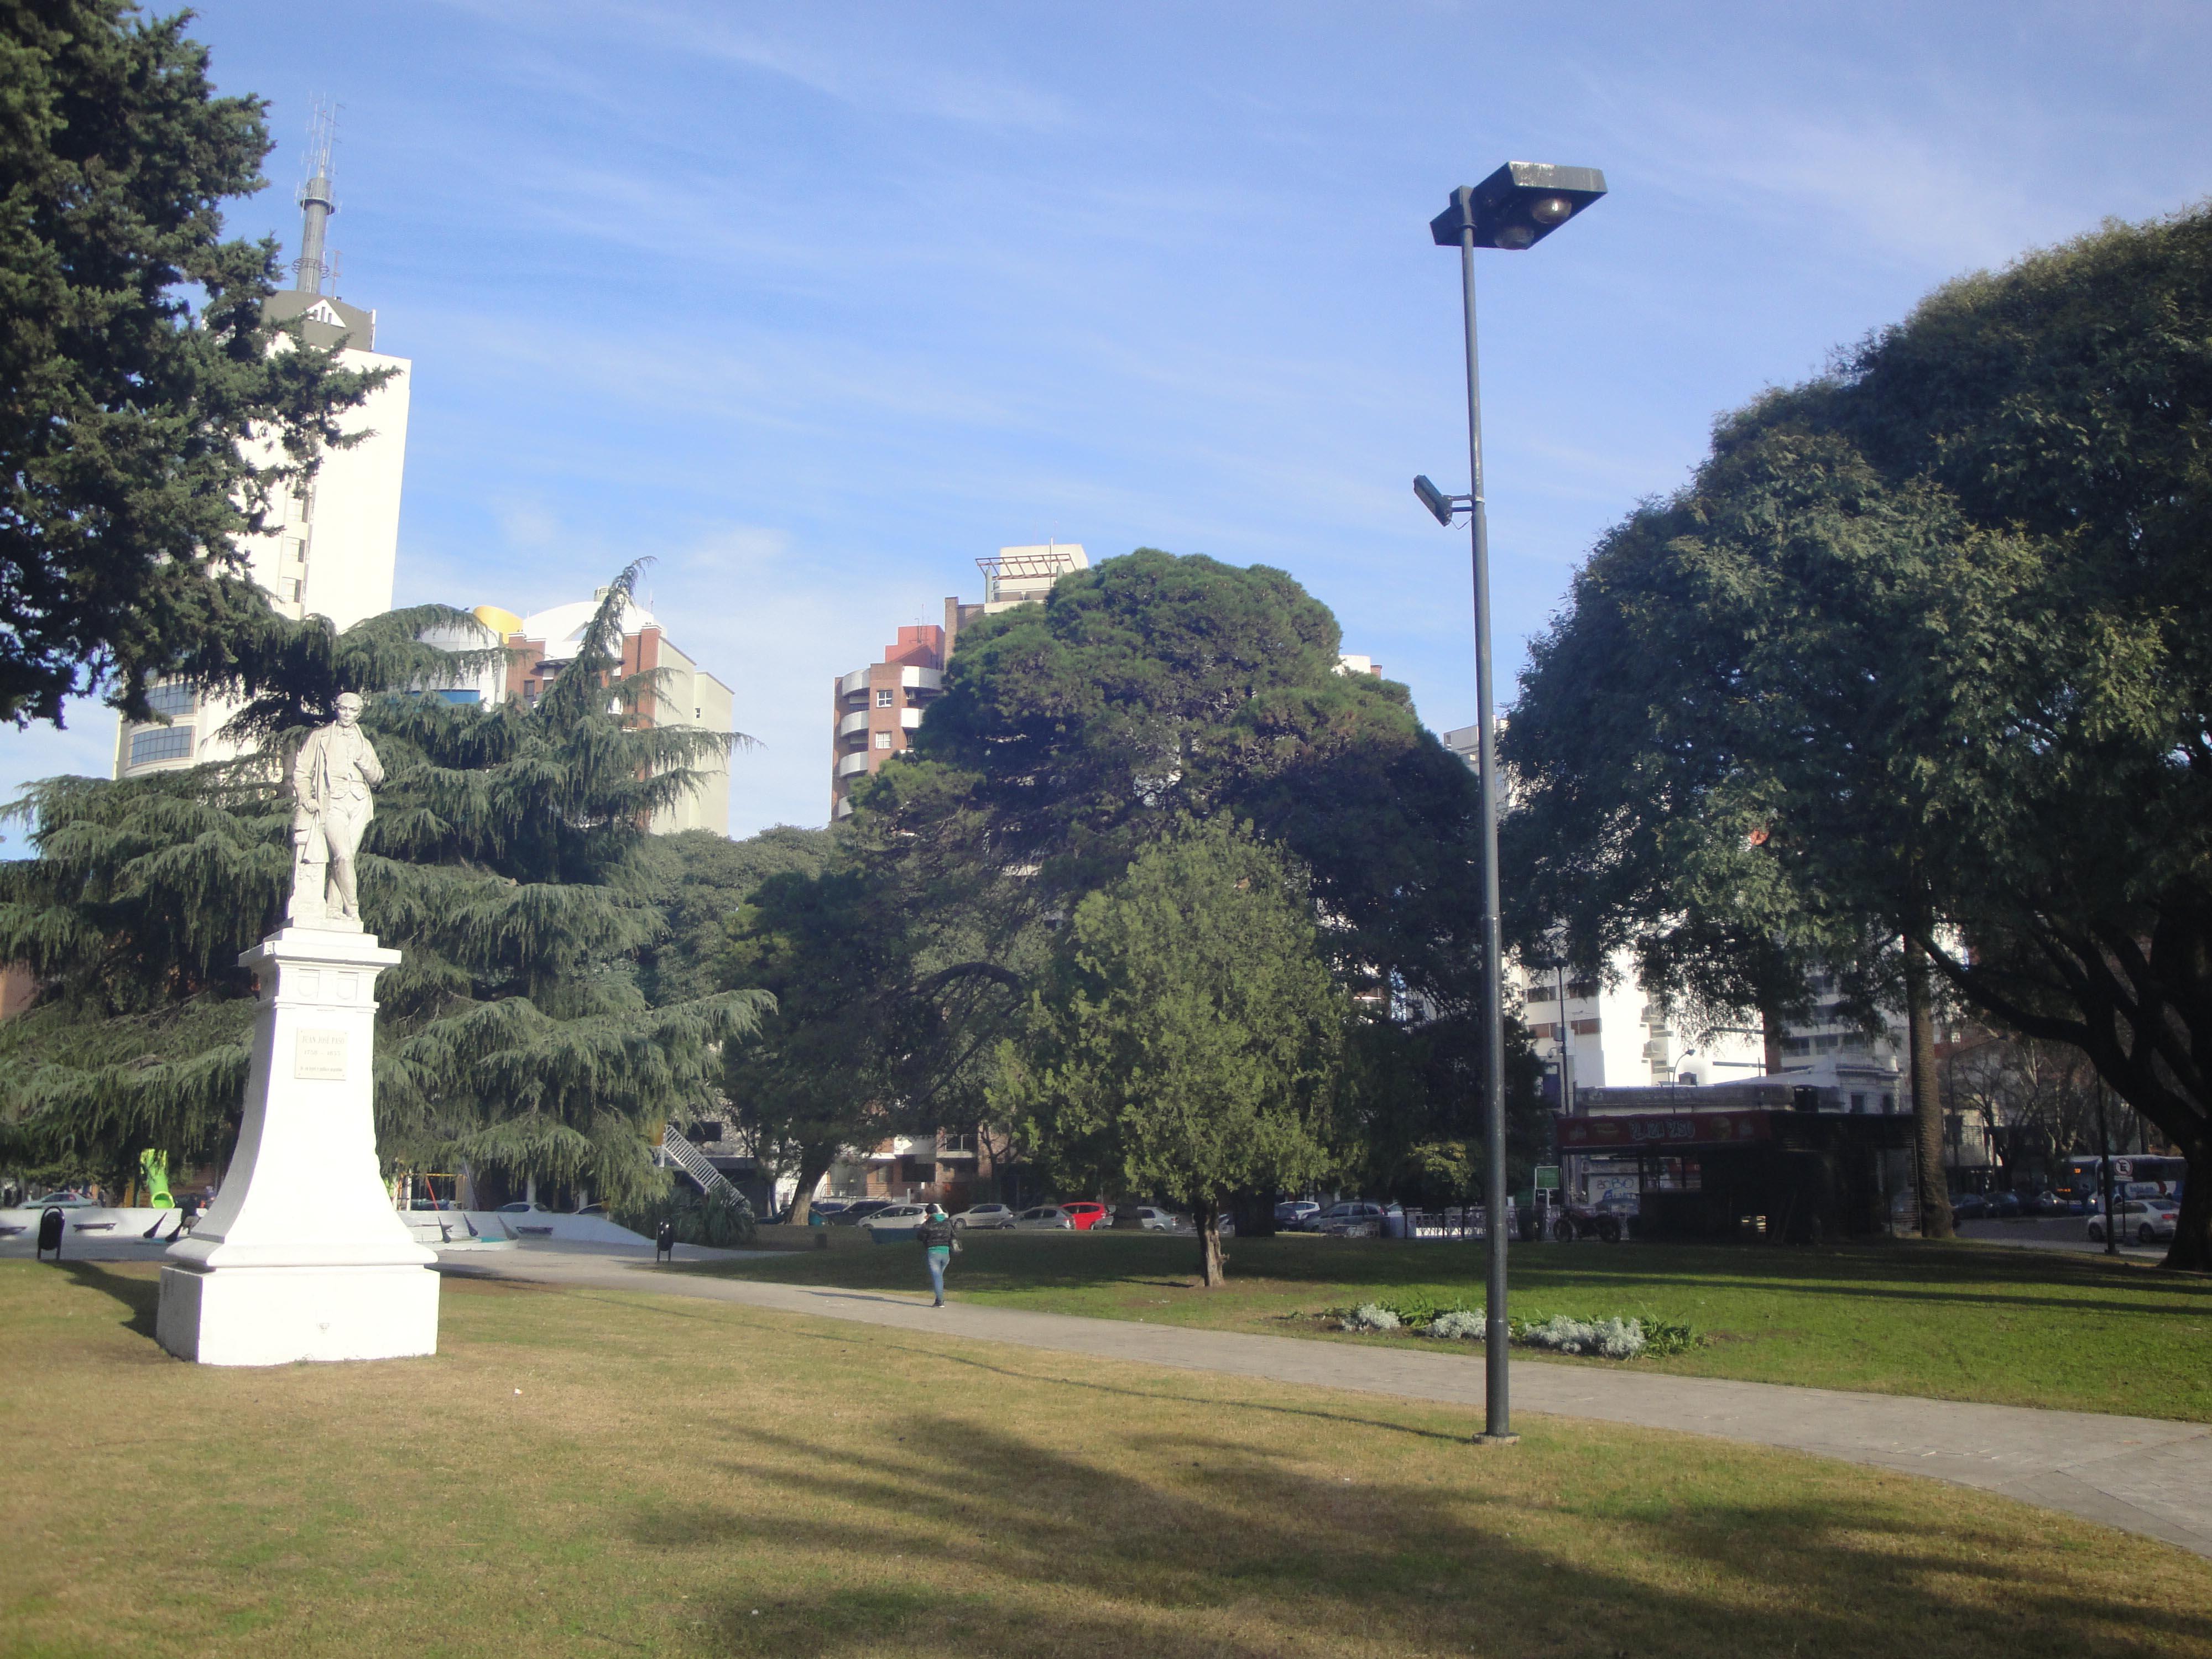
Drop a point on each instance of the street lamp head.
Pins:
(1518, 205)
(1435, 500)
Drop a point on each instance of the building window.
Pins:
(886, 699)
(1540, 993)
(169, 742)
(1582, 1027)
(171, 700)
(883, 739)
(1796, 1045)
(1581, 989)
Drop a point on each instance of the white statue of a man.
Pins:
(331, 807)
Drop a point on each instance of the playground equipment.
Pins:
(154, 1174)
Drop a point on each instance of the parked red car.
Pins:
(1086, 1215)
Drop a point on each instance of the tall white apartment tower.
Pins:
(333, 547)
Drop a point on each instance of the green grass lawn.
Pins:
(598, 1473)
(1954, 1321)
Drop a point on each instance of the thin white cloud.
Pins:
(877, 62)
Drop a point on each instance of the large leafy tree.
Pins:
(1925, 648)
(145, 416)
(1724, 746)
(1072, 734)
(507, 860)
(880, 1022)
(1409, 1112)
(1188, 1039)
(1152, 690)
(699, 881)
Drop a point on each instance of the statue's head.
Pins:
(349, 708)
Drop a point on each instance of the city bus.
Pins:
(2134, 1175)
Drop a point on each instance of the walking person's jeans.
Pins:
(938, 1256)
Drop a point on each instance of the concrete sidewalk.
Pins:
(2139, 1474)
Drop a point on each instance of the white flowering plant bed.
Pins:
(1614, 1337)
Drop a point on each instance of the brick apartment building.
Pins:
(876, 709)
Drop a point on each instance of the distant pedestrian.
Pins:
(937, 1245)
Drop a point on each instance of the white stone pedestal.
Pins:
(302, 1255)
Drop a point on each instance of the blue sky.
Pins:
(815, 304)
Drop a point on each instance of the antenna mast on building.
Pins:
(316, 202)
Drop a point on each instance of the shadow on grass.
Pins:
(1171, 1541)
(875, 1342)
(141, 1297)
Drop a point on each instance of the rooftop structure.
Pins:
(1015, 576)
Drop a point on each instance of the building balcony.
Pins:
(851, 765)
(911, 718)
(920, 679)
(855, 722)
(855, 681)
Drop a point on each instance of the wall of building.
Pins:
(331, 548)
(1617, 1035)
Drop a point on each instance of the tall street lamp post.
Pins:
(1515, 208)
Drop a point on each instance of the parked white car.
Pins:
(897, 1222)
(1045, 1217)
(2145, 1221)
(997, 1216)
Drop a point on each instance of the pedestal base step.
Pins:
(278, 1315)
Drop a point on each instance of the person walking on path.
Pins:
(937, 1245)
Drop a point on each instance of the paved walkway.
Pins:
(2136, 1473)
(2068, 1233)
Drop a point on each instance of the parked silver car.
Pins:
(1352, 1218)
(894, 1222)
(2145, 1221)
(1045, 1217)
(997, 1216)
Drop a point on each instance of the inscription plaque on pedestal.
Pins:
(319, 1056)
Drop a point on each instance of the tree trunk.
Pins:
(2191, 1250)
(1927, 1099)
(814, 1162)
(1770, 1033)
(1212, 1265)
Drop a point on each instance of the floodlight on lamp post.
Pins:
(1516, 208)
